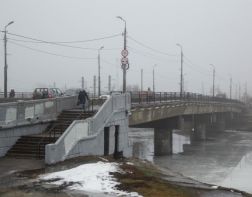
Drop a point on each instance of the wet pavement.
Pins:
(223, 158)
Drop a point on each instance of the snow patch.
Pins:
(130, 163)
(93, 177)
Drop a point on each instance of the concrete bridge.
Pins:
(34, 126)
(194, 113)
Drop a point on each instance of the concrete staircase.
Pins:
(33, 146)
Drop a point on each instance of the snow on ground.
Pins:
(93, 177)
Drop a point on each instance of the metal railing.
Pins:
(159, 97)
(19, 95)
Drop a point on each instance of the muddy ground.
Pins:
(141, 176)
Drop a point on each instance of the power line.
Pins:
(148, 55)
(216, 74)
(39, 42)
(49, 53)
(150, 48)
(62, 42)
(52, 43)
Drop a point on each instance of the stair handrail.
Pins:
(52, 131)
(47, 134)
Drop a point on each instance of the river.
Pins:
(223, 158)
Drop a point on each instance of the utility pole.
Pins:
(239, 91)
(236, 91)
(82, 82)
(230, 87)
(213, 79)
(246, 92)
(99, 71)
(5, 60)
(124, 60)
(153, 77)
(141, 80)
(181, 70)
(94, 88)
(109, 83)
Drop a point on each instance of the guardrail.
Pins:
(158, 97)
(33, 111)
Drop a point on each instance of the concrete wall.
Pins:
(86, 137)
(28, 117)
(33, 111)
(145, 114)
(8, 137)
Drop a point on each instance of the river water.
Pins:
(223, 158)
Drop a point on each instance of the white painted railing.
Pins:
(85, 129)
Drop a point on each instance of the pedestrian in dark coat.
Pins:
(82, 97)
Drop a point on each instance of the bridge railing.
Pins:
(33, 111)
(158, 97)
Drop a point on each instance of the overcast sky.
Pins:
(214, 32)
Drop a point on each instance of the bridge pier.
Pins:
(186, 123)
(162, 141)
(218, 123)
(199, 131)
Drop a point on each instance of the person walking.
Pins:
(82, 97)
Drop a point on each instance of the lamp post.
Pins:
(125, 64)
(5, 58)
(181, 69)
(153, 77)
(213, 77)
(230, 87)
(99, 70)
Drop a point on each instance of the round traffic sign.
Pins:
(124, 53)
(124, 60)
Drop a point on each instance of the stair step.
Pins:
(28, 146)
(41, 156)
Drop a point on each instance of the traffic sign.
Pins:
(124, 60)
(124, 53)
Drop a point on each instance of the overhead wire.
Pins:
(49, 53)
(148, 55)
(53, 43)
(150, 48)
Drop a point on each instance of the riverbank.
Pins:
(134, 177)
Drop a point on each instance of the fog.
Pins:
(214, 32)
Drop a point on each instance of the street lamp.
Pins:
(213, 77)
(5, 58)
(125, 63)
(99, 71)
(153, 77)
(181, 69)
(230, 87)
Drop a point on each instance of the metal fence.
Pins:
(158, 97)
(18, 95)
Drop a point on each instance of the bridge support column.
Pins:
(219, 124)
(162, 141)
(186, 123)
(199, 132)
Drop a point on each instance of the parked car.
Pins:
(41, 93)
(105, 96)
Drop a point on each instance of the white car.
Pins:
(105, 96)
